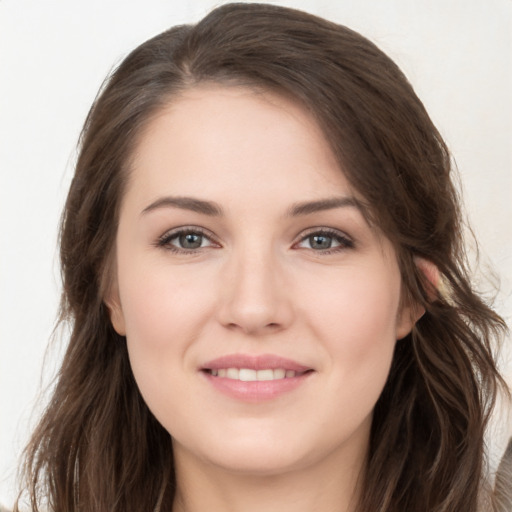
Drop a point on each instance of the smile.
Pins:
(249, 378)
(251, 375)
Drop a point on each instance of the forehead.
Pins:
(231, 142)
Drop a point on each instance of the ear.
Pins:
(432, 275)
(113, 303)
(407, 319)
(411, 313)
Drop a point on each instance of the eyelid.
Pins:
(163, 241)
(346, 241)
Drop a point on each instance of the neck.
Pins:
(328, 486)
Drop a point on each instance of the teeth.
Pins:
(280, 373)
(247, 375)
(233, 373)
(265, 374)
(250, 375)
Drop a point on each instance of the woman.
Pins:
(264, 271)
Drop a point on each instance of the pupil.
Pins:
(320, 241)
(190, 241)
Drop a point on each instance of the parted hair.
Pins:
(98, 447)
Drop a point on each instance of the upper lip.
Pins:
(254, 362)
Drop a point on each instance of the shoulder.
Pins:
(503, 482)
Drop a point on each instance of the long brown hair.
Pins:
(98, 447)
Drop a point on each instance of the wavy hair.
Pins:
(98, 447)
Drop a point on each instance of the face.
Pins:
(260, 308)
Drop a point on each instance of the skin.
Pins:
(258, 284)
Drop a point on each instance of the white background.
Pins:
(54, 56)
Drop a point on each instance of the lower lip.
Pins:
(256, 391)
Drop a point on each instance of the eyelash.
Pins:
(343, 240)
(165, 240)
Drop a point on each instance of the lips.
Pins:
(251, 375)
(255, 378)
(261, 362)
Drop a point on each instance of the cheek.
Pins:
(161, 305)
(164, 314)
(359, 309)
(356, 322)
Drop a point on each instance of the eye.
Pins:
(325, 240)
(186, 240)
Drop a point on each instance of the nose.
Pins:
(254, 299)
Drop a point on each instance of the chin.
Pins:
(259, 454)
(258, 461)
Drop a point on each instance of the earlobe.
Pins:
(407, 319)
(115, 310)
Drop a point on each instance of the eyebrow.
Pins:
(186, 203)
(213, 209)
(307, 207)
